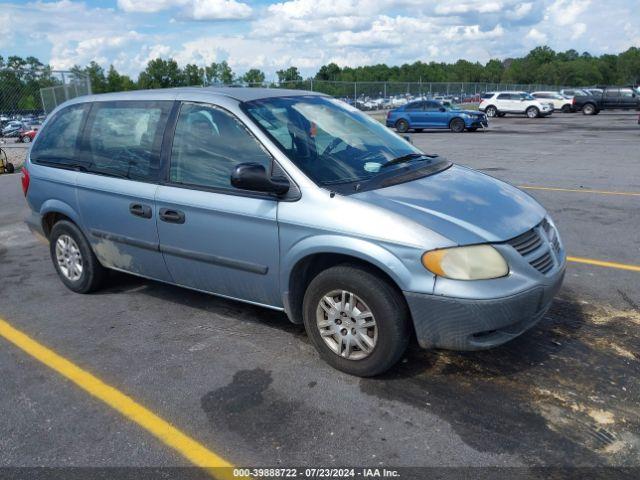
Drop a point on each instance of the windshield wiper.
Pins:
(406, 158)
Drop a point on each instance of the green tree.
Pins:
(253, 76)
(118, 83)
(161, 74)
(193, 75)
(291, 74)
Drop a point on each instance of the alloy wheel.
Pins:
(69, 258)
(346, 324)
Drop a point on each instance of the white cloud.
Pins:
(537, 36)
(148, 6)
(578, 30)
(309, 33)
(193, 9)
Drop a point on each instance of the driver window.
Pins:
(208, 144)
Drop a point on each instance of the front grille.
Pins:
(543, 263)
(536, 247)
(527, 242)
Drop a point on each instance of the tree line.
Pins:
(542, 65)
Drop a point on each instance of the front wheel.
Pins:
(402, 126)
(532, 112)
(491, 111)
(358, 321)
(26, 139)
(457, 125)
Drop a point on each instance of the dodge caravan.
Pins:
(297, 202)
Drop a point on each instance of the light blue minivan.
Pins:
(297, 202)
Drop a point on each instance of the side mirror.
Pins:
(253, 176)
(442, 109)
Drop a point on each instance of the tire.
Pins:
(26, 139)
(402, 126)
(491, 111)
(384, 302)
(457, 125)
(9, 168)
(92, 273)
(566, 108)
(532, 112)
(588, 109)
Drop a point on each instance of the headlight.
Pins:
(476, 262)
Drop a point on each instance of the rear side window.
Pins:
(208, 144)
(123, 139)
(504, 96)
(414, 106)
(57, 144)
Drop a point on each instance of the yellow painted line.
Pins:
(189, 448)
(580, 190)
(601, 263)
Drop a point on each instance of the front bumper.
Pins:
(476, 324)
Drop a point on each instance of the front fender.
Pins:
(394, 260)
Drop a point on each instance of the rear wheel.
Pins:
(589, 109)
(491, 111)
(457, 125)
(566, 108)
(75, 262)
(356, 320)
(26, 139)
(402, 126)
(532, 112)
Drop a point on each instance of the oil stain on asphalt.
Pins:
(565, 392)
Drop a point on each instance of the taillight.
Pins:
(25, 179)
(573, 101)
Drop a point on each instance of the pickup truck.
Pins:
(610, 98)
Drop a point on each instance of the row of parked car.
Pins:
(23, 130)
(421, 114)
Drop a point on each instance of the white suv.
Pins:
(500, 103)
(560, 102)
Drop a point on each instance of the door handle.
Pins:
(140, 210)
(171, 216)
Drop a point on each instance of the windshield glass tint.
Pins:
(329, 140)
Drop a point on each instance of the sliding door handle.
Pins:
(140, 210)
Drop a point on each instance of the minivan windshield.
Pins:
(332, 142)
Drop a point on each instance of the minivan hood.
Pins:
(461, 204)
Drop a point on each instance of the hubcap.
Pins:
(346, 325)
(69, 258)
(532, 113)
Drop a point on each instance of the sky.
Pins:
(308, 33)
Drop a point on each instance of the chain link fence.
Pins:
(384, 95)
(28, 95)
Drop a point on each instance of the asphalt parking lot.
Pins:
(246, 384)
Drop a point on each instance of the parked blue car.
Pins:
(431, 114)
